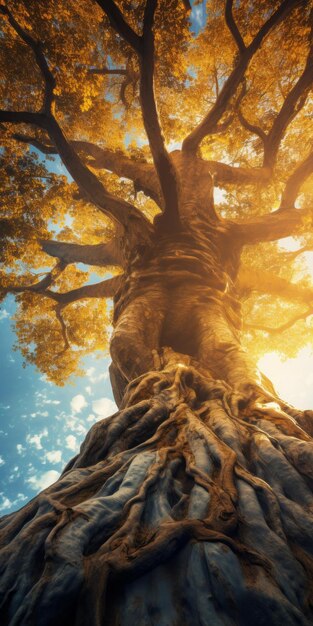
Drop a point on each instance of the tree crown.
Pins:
(99, 102)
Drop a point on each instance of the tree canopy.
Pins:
(97, 100)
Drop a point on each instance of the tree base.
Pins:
(191, 505)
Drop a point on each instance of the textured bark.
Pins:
(178, 510)
(193, 504)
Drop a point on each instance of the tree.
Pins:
(193, 503)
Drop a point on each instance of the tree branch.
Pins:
(104, 71)
(144, 46)
(229, 19)
(295, 181)
(103, 254)
(92, 189)
(120, 25)
(141, 173)
(252, 128)
(272, 226)
(42, 285)
(293, 103)
(104, 289)
(207, 125)
(36, 46)
(162, 160)
(272, 330)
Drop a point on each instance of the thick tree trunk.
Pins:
(193, 504)
(178, 510)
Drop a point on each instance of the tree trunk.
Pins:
(193, 504)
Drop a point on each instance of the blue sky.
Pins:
(42, 425)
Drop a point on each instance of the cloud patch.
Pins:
(54, 456)
(104, 407)
(78, 403)
(35, 440)
(71, 442)
(42, 481)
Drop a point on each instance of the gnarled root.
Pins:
(176, 510)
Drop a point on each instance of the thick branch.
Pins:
(144, 47)
(141, 173)
(272, 226)
(208, 124)
(104, 289)
(229, 18)
(100, 255)
(90, 186)
(293, 103)
(295, 181)
(119, 24)
(161, 158)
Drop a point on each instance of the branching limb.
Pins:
(230, 21)
(130, 78)
(227, 174)
(141, 173)
(161, 158)
(145, 50)
(279, 329)
(120, 25)
(293, 103)
(295, 181)
(103, 254)
(208, 124)
(90, 186)
(104, 289)
(272, 226)
(41, 285)
(36, 47)
(252, 128)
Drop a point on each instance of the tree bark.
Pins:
(192, 505)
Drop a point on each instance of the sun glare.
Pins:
(292, 378)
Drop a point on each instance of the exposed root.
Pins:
(172, 471)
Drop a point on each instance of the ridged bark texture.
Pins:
(191, 506)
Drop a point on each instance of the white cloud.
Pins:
(197, 15)
(42, 481)
(91, 418)
(4, 314)
(35, 440)
(94, 377)
(2, 461)
(78, 403)
(104, 407)
(88, 390)
(5, 503)
(71, 442)
(54, 456)
(20, 449)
